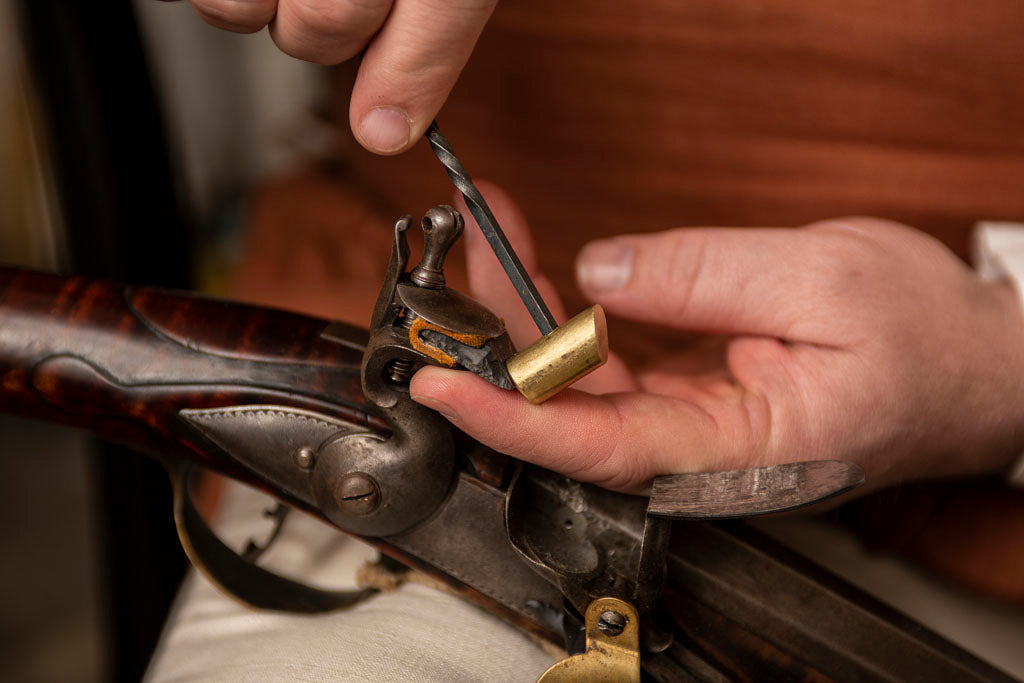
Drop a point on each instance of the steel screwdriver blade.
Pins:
(492, 231)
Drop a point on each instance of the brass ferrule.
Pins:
(558, 359)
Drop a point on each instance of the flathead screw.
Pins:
(357, 494)
(611, 623)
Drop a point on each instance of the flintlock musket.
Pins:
(317, 414)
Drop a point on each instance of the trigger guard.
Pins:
(244, 581)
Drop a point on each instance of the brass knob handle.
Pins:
(558, 359)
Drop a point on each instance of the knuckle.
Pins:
(864, 226)
(607, 457)
(332, 18)
(615, 464)
(861, 239)
(463, 5)
(845, 257)
(622, 470)
(676, 263)
(610, 466)
(240, 16)
(327, 31)
(308, 53)
(780, 427)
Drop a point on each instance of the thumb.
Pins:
(409, 69)
(721, 280)
(618, 441)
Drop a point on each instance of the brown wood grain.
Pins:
(609, 118)
(605, 118)
(123, 362)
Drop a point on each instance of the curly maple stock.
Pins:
(123, 361)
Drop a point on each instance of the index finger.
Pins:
(240, 16)
(772, 282)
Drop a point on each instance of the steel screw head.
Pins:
(357, 494)
(611, 623)
(304, 458)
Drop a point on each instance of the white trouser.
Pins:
(416, 633)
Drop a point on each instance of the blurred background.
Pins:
(139, 144)
(129, 136)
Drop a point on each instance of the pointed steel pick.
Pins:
(747, 493)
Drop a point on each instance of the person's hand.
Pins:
(855, 339)
(414, 52)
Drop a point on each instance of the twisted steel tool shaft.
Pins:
(492, 231)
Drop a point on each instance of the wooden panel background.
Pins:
(610, 117)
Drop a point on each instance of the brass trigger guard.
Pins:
(246, 582)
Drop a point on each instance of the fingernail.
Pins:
(604, 265)
(440, 406)
(385, 129)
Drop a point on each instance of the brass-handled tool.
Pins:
(419, 320)
(561, 357)
(563, 354)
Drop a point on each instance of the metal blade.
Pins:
(746, 493)
(492, 231)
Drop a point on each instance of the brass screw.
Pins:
(611, 623)
(357, 494)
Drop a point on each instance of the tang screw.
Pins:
(611, 623)
(304, 458)
(357, 494)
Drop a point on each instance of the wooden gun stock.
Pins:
(123, 362)
(129, 364)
